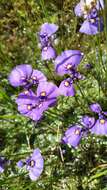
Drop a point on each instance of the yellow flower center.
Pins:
(102, 121)
(32, 163)
(28, 107)
(43, 93)
(69, 66)
(34, 78)
(66, 83)
(26, 92)
(77, 132)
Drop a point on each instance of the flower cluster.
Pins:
(89, 10)
(67, 63)
(33, 104)
(74, 134)
(46, 33)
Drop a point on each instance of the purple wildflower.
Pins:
(67, 61)
(100, 127)
(20, 75)
(3, 163)
(20, 164)
(66, 87)
(96, 108)
(88, 121)
(45, 37)
(73, 136)
(84, 7)
(35, 164)
(48, 52)
(48, 29)
(92, 26)
(24, 75)
(32, 105)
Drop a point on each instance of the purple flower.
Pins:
(67, 61)
(96, 108)
(78, 10)
(3, 163)
(37, 77)
(88, 121)
(100, 127)
(20, 75)
(35, 164)
(48, 29)
(48, 52)
(92, 26)
(20, 164)
(66, 87)
(73, 136)
(84, 7)
(24, 75)
(32, 105)
(45, 34)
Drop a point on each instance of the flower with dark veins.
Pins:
(24, 75)
(67, 61)
(35, 164)
(33, 105)
(73, 136)
(66, 87)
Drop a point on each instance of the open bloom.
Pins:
(73, 136)
(24, 75)
(33, 105)
(92, 26)
(34, 164)
(100, 127)
(66, 87)
(67, 61)
(47, 30)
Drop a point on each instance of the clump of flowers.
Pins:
(33, 104)
(89, 10)
(34, 164)
(74, 134)
(67, 63)
(46, 33)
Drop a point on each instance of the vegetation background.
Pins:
(65, 168)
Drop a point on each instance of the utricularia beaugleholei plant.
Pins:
(39, 94)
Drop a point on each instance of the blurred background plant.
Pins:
(65, 168)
